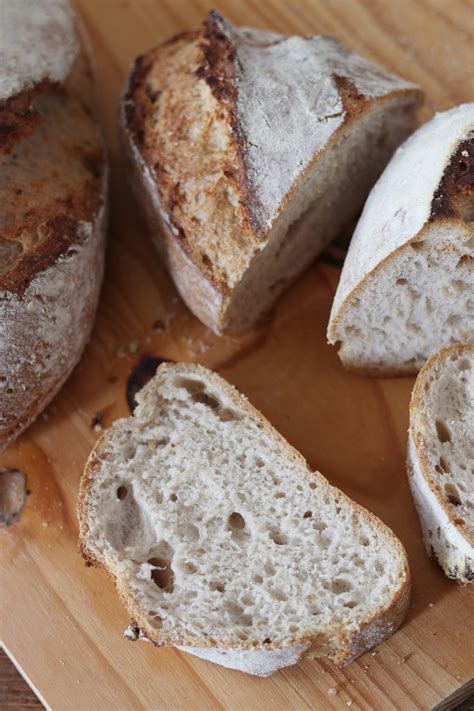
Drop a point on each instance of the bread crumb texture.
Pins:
(441, 458)
(218, 535)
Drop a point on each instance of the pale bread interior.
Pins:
(444, 418)
(419, 300)
(219, 535)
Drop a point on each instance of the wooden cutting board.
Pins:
(62, 622)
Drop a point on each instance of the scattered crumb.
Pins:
(373, 654)
(96, 422)
(403, 660)
(45, 524)
(133, 347)
(431, 604)
(349, 702)
(159, 326)
(332, 691)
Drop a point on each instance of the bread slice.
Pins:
(249, 152)
(223, 543)
(441, 458)
(52, 235)
(407, 286)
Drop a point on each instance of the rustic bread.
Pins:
(441, 458)
(407, 286)
(249, 152)
(221, 540)
(52, 221)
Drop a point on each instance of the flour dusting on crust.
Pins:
(289, 104)
(37, 42)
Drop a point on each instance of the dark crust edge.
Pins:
(371, 631)
(456, 182)
(59, 233)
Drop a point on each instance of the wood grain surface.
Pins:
(62, 622)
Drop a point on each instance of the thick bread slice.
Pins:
(249, 152)
(223, 543)
(52, 239)
(407, 286)
(441, 458)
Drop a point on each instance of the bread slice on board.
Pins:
(223, 543)
(441, 458)
(52, 207)
(249, 151)
(407, 286)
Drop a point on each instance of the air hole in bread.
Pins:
(155, 620)
(350, 604)
(268, 569)
(307, 514)
(464, 261)
(464, 364)
(312, 485)
(418, 246)
(452, 494)
(122, 492)
(280, 495)
(279, 595)
(364, 541)
(162, 574)
(236, 521)
(401, 281)
(459, 521)
(267, 640)
(216, 586)
(442, 431)
(278, 538)
(341, 585)
(259, 463)
(258, 579)
(319, 525)
(379, 567)
(173, 497)
(188, 532)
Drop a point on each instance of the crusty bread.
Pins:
(221, 540)
(52, 195)
(407, 286)
(249, 152)
(441, 458)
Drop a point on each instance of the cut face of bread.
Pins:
(52, 238)
(441, 458)
(407, 286)
(250, 151)
(222, 542)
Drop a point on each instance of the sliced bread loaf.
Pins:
(407, 286)
(441, 458)
(249, 152)
(52, 211)
(223, 543)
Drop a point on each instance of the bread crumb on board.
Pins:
(332, 691)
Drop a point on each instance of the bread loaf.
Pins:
(249, 151)
(407, 286)
(52, 214)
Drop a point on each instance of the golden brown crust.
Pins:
(421, 445)
(55, 164)
(158, 113)
(372, 631)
